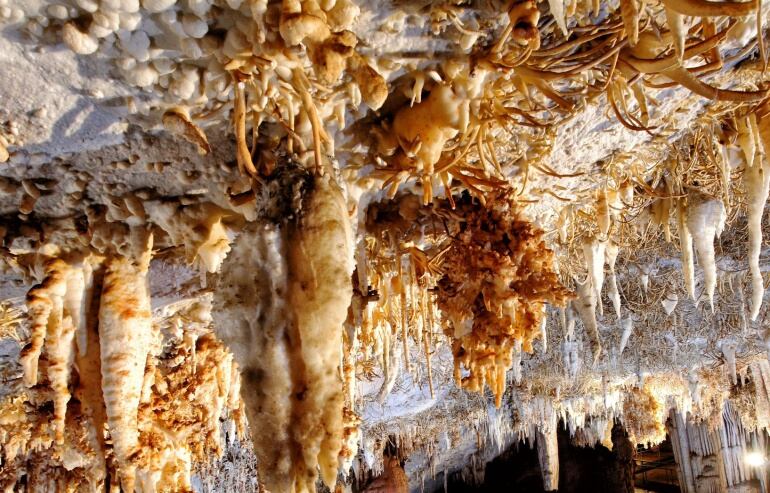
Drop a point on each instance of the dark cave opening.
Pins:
(581, 469)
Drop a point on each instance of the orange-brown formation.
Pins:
(129, 408)
(642, 414)
(195, 386)
(498, 276)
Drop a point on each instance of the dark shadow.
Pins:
(581, 469)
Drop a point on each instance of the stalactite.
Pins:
(351, 419)
(571, 359)
(729, 347)
(694, 387)
(611, 256)
(126, 333)
(756, 180)
(426, 338)
(516, 362)
(760, 375)
(102, 374)
(593, 252)
(705, 221)
(746, 139)
(586, 308)
(497, 274)
(643, 415)
(404, 305)
(603, 212)
(44, 305)
(121, 397)
(685, 246)
(54, 309)
(645, 278)
(320, 266)
(200, 228)
(291, 386)
(391, 362)
(669, 302)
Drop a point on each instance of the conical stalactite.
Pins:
(287, 335)
(54, 307)
(60, 314)
(585, 305)
(760, 376)
(705, 222)
(757, 184)
(611, 256)
(126, 337)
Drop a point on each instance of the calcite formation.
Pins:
(387, 238)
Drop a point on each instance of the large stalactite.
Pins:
(284, 301)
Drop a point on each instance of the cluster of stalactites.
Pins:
(701, 218)
(93, 352)
(498, 276)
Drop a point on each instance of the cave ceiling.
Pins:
(293, 230)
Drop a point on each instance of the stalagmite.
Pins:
(705, 221)
(126, 334)
(733, 446)
(681, 446)
(548, 456)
